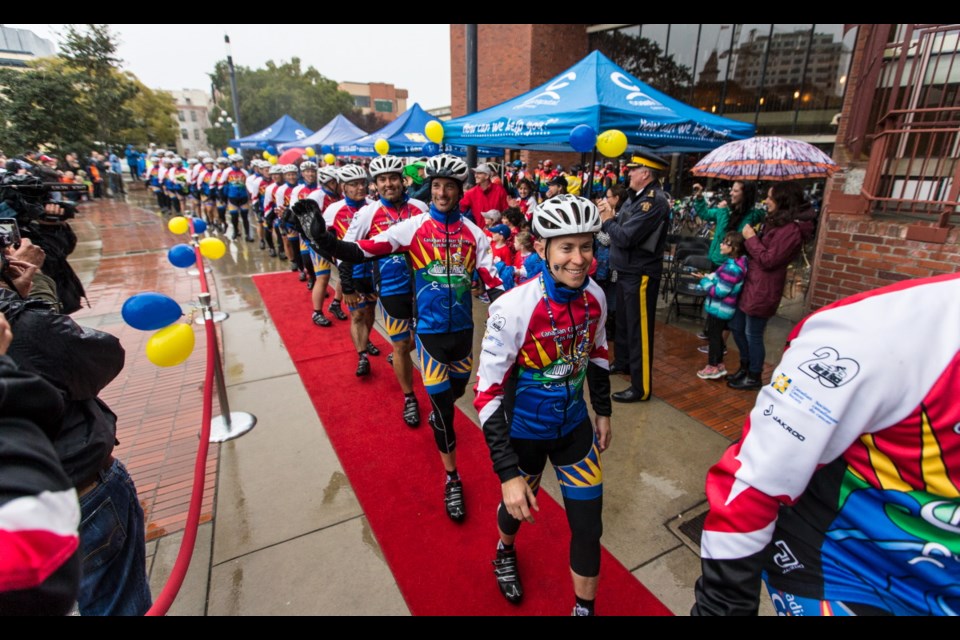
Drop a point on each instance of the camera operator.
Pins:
(80, 363)
(44, 222)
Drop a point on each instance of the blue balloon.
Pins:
(181, 255)
(325, 149)
(582, 138)
(224, 154)
(150, 311)
(271, 149)
(431, 149)
(199, 225)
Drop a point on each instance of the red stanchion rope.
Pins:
(170, 590)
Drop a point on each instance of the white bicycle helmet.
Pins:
(326, 174)
(222, 160)
(308, 165)
(290, 168)
(385, 164)
(236, 157)
(447, 166)
(351, 172)
(564, 215)
(207, 160)
(192, 161)
(276, 169)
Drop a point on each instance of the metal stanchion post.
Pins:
(229, 424)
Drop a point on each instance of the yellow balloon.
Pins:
(612, 143)
(231, 151)
(171, 345)
(330, 159)
(382, 146)
(178, 225)
(310, 152)
(273, 159)
(266, 155)
(212, 248)
(434, 131)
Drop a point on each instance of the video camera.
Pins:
(9, 234)
(27, 195)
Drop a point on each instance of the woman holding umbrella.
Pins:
(789, 224)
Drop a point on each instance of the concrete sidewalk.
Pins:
(282, 532)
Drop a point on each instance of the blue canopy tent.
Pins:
(597, 92)
(337, 130)
(286, 129)
(405, 136)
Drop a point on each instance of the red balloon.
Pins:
(290, 156)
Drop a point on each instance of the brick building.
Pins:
(385, 100)
(891, 212)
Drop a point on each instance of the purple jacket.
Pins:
(770, 255)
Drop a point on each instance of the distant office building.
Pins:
(19, 46)
(193, 109)
(441, 113)
(385, 100)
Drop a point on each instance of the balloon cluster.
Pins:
(270, 154)
(150, 311)
(183, 255)
(611, 143)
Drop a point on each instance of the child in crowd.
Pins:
(522, 249)
(501, 247)
(722, 287)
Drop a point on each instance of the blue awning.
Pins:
(597, 92)
(337, 130)
(406, 138)
(286, 129)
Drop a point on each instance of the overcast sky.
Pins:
(415, 57)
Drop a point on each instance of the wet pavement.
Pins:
(281, 530)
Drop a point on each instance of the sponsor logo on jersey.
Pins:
(829, 369)
(785, 559)
(781, 383)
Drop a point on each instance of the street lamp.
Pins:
(233, 87)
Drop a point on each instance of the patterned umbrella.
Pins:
(765, 158)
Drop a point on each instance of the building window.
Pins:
(193, 116)
(383, 106)
(182, 117)
(196, 134)
(185, 134)
(187, 100)
(362, 101)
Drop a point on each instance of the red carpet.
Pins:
(442, 568)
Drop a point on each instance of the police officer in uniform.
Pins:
(637, 238)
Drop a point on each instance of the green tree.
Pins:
(43, 108)
(104, 89)
(152, 117)
(285, 88)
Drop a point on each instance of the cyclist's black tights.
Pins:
(584, 504)
(445, 362)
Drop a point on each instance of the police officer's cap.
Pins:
(649, 160)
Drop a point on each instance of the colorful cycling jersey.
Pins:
(262, 187)
(444, 249)
(179, 179)
(375, 218)
(540, 341)
(304, 190)
(338, 217)
(162, 174)
(253, 185)
(269, 197)
(234, 183)
(204, 182)
(153, 178)
(846, 481)
(324, 198)
(215, 181)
